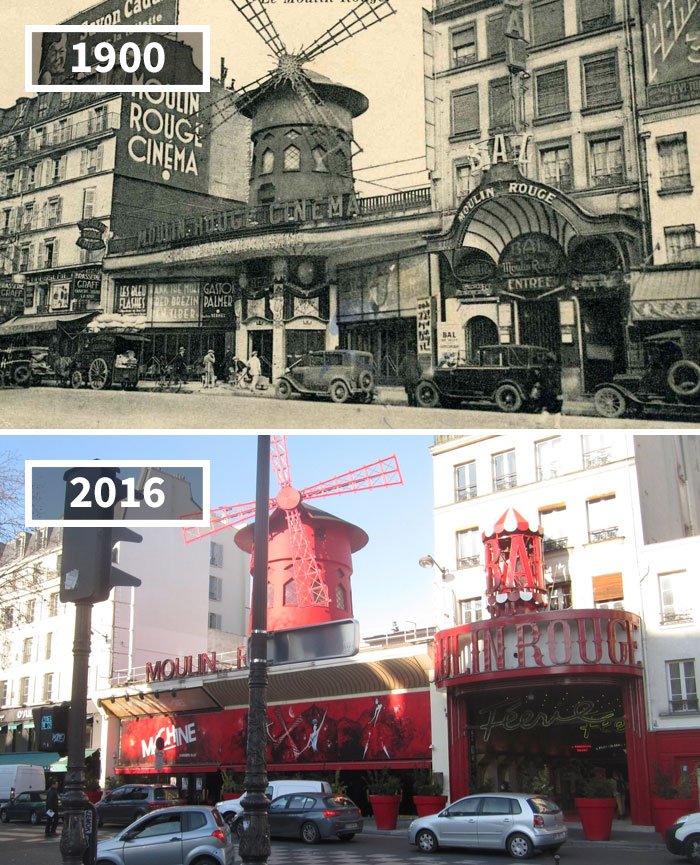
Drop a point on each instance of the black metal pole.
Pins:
(254, 847)
(74, 840)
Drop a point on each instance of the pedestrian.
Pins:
(255, 369)
(209, 361)
(51, 809)
(620, 794)
(180, 365)
(411, 373)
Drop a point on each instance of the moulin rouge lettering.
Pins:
(511, 715)
(175, 668)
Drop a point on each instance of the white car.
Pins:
(683, 838)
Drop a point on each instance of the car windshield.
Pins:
(543, 806)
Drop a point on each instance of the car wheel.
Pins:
(507, 398)
(366, 380)
(684, 378)
(691, 848)
(348, 836)
(309, 833)
(22, 375)
(283, 389)
(609, 402)
(339, 391)
(427, 395)
(34, 818)
(519, 846)
(98, 374)
(426, 841)
(4, 816)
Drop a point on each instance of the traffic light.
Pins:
(51, 725)
(87, 571)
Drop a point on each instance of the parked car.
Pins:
(28, 807)
(683, 838)
(342, 375)
(231, 809)
(15, 367)
(511, 377)
(181, 835)
(125, 804)
(313, 817)
(518, 823)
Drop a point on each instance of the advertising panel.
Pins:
(175, 302)
(86, 286)
(131, 298)
(218, 297)
(671, 31)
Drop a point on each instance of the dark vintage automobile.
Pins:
(670, 379)
(511, 377)
(15, 367)
(342, 375)
(104, 359)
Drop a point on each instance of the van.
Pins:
(231, 809)
(18, 778)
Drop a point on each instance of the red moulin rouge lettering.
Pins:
(177, 668)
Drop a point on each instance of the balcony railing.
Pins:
(596, 535)
(465, 493)
(550, 544)
(505, 482)
(677, 617)
(50, 139)
(469, 562)
(595, 458)
(688, 705)
(547, 472)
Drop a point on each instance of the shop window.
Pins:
(468, 548)
(500, 104)
(601, 81)
(560, 596)
(465, 111)
(267, 165)
(605, 159)
(608, 591)
(216, 554)
(674, 591)
(495, 36)
(471, 610)
(465, 481)
(292, 158)
(215, 588)
(48, 646)
(602, 518)
(27, 650)
(503, 470)
(682, 686)
(555, 165)
(47, 692)
(547, 458)
(679, 239)
(551, 92)
(547, 21)
(24, 690)
(463, 45)
(674, 164)
(214, 621)
(290, 597)
(53, 604)
(554, 526)
(594, 14)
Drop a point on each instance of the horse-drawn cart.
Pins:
(105, 359)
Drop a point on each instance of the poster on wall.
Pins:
(175, 302)
(424, 328)
(672, 50)
(131, 298)
(218, 301)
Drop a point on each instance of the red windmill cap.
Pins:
(511, 521)
(358, 537)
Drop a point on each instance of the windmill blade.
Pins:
(362, 17)
(235, 103)
(220, 518)
(256, 15)
(382, 473)
(312, 590)
(280, 460)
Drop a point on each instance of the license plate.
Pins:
(350, 826)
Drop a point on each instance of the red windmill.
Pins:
(310, 551)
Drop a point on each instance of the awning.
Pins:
(663, 294)
(62, 764)
(29, 758)
(36, 323)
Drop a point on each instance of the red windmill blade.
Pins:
(307, 574)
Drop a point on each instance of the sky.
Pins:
(388, 584)
(385, 63)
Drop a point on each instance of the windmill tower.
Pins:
(302, 121)
(310, 551)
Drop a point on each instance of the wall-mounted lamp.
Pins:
(429, 562)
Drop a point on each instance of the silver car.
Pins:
(181, 835)
(519, 823)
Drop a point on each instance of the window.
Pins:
(216, 554)
(551, 92)
(679, 238)
(675, 591)
(215, 621)
(43, 106)
(503, 470)
(466, 181)
(560, 596)
(682, 687)
(470, 610)
(674, 165)
(47, 646)
(464, 45)
(500, 104)
(596, 450)
(605, 163)
(268, 162)
(96, 121)
(8, 617)
(62, 131)
(495, 36)
(292, 158)
(24, 257)
(215, 588)
(468, 548)
(91, 160)
(6, 218)
(555, 165)
(53, 604)
(547, 458)
(290, 597)
(465, 111)
(553, 522)
(465, 481)
(608, 592)
(10, 184)
(601, 81)
(49, 257)
(28, 216)
(30, 611)
(57, 169)
(602, 518)
(31, 176)
(47, 694)
(341, 600)
(594, 14)
(24, 690)
(319, 155)
(547, 21)
(89, 202)
(27, 650)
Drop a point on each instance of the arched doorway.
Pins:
(479, 331)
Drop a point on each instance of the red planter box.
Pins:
(231, 795)
(596, 817)
(426, 805)
(665, 812)
(385, 810)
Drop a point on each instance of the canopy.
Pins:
(29, 758)
(62, 764)
(35, 323)
(666, 294)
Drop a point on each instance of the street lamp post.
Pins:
(254, 847)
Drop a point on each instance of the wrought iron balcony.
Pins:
(598, 457)
(548, 471)
(505, 482)
(550, 544)
(677, 617)
(465, 493)
(50, 139)
(688, 705)
(607, 534)
(469, 562)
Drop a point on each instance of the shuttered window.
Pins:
(495, 36)
(465, 111)
(552, 93)
(500, 104)
(547, 21)
(605, 159)
(464, 45)
(674, 164)
(601, 81)
(594, 14)
(607, 587)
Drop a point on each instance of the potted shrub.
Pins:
(670, 801)
(428, 796)
(596, 807)
(384, 793)
(231, 787)
(92, 790)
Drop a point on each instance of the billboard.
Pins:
(671, 31)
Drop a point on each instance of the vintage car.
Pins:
(511, 377)
(341, 374)
(669, 381)
(15, 367)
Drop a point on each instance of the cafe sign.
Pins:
(91, 234)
